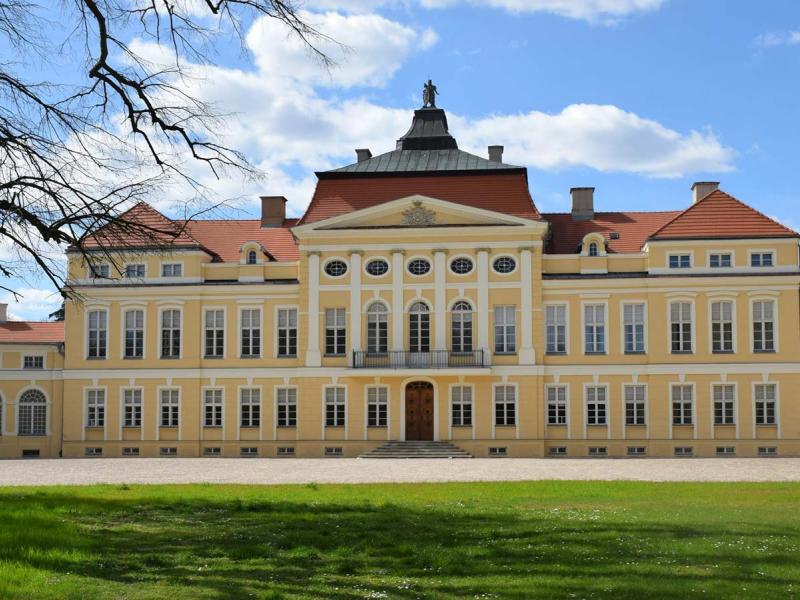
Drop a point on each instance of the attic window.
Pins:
(614, 235)
(593, 249)
(252, 257)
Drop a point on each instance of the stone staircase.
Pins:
(422, 449)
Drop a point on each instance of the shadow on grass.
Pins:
(275, 549)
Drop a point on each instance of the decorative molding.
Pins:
(418, 215)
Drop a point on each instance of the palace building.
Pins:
(422, 297)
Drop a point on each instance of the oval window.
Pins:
(461, 265)
(504, 265)
(419, 266)
(377, 267)
(336, 268)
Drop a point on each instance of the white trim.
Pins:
(607, 425)
(431, 270)
(89, 308)
(346, 425)
(124, 310)
(729, 251)
(765, 297)
(736, 416)
(367, 387)
(632, 302)
(159, 427)
(606, 332)
(239, 389)
(86, 390)
(494, 257)
(672, 425)
(224, 309)
(125, 266)
(593, 237)
(397, 301)
(161, 310)
(275, 426)
(517, 403)
(163, 263)
(646, 409)
(47, 403)
(772, 251)
(566, 305)
(423, 246)
(678, 253)
(527, 352)
(546, 403)
(275, 312)
(356, 317)
(450, 387)
(439, 300)
(734, 323)
(239, 310)
(329, 260)
(370, 259)
(450, 260)
(680, 298)
(777, 425)
(121, 420)
(35, 354)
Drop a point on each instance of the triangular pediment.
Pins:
(418, 212)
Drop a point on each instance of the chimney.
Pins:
(582, 203)
(701, 189)
(363, 154)
(3, 313)
(273, 211)
(496, 153)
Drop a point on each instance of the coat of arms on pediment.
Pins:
(418, 216)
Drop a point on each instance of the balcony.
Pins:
(401, 359)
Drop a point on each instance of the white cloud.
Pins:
(769, 40)
(34, 304)
(602, 137)
(603, 11)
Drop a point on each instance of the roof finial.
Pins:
(429, 94)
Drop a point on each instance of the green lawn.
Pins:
(487, 540)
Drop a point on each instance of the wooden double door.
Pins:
(419, 411)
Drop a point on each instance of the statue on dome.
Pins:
(429, 94)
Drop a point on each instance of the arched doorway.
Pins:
(419, 411)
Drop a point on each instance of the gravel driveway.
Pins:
(352, 470)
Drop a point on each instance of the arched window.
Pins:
(32, 413)
(252, 257)
(461, 327)
(419, 328)
(593, 249)
(377, 329)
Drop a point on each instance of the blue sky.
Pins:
(638, 98)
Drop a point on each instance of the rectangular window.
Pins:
(137, 270)
(168, 451)
(33, 362)
(212, 451)
(132, 408)
(726, 451)
(99, 271)
(169, 407)
(716, 261)
(594, 323)
(130, 451)
(134, 333)
(637, 450)
(251, 332)
(377, 406)
(557, 450)
(171, 333)
(724, 405)
(557, 405)
(505, 329)
(215, 333)
(93, 451)
(635, 405)
(335, 331)
(461, 397)
(556, 323)
(766, 403)
(684, 451)
(172, 270)
(95, 408)
(334, 407)
(598, 451)
(287, 407)
(97, 333)
(633, 323)
(680, 315)
(505, 405)
(764, 326)
(285, 451)
(682, 403)
(212, 408)
(680, 261)
(596, 405)
(287, 332)
(722, 327)
(767, 451)
(761, 259)
(250, 407)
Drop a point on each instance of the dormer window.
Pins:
(719, 260)
(680, 261)
(99, 271)
(252, 257)
(593, 249)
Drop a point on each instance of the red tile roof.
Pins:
(31, 332)
(720, 215)
(225, 238)
(501, 192)
(633, 228)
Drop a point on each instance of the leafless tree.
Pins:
(75, 155)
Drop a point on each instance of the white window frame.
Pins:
(505, 255)
(471, 259)
(462, 317)
(761, 252)
(160, 391)
(776, 424)
(161, 311)
(692, 325)
(205, 404)
(623, 338)
(378, 403)
(171, 263)
(693, 403)
(339, 349)
(688, 253)
(123, 404)
(505, 349)
(556, 305)
(87, 316)
(89, 422)
(775, 324)
(370, 259)
(329, 260)
(250, 403)
(625, 402)
(410, 259)
(606, 340)
(41, 355)
(224, 310)
(125, 309)
(734, 332)
(495, 401)
(735, 401)
(240, 331)
(276, 336)
(18, 404)
(720, 254)
(606, 401)
(90, 269)
(548, 402)
(461, 402)
(134, 264)
(281, 423)
(385, 313)
(337, 402)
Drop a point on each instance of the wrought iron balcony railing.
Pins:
(402, 359)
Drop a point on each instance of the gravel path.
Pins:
(346, 470)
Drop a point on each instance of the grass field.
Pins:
(487, 540)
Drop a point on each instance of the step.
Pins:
(417, 449)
